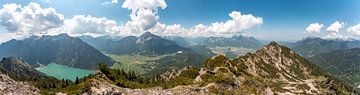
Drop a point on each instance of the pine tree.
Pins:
(77, 80)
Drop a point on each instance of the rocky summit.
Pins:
(146, 44)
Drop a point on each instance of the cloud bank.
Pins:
(237, 24)
(355, 30)
(334, 31)
(33, 19)
(30, 19)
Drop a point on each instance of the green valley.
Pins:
(138, 63)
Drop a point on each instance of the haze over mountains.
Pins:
(235, 41)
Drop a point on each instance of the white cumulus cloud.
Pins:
(81, 24)
(35, 20)
(143, 14)
(355, 30)
(238, 23)
(135, 5)
(168, 30)
(335, 27)
(30, 19)
(314, 28)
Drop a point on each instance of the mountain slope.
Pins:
(146, 44)
(273, 69)
(11, 71)
(279, 69)
(18, 69)
(60, 49)
(344, 64)
(235, 41)
(313, 46)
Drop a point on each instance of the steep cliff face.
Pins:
(273, 69)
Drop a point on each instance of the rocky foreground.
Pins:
(9, 86)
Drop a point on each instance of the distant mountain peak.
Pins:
(147, 36)
(273, 43)
(146, 44)
(63, 35)
(147, 33)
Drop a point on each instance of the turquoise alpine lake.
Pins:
(64, 72)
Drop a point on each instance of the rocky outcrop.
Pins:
(173, 73)
(102, 87)
(9, 86)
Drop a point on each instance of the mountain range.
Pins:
(146, 44)
(59, 49)
(312, 46)
(235, 41)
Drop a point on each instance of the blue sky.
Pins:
(282, 19)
